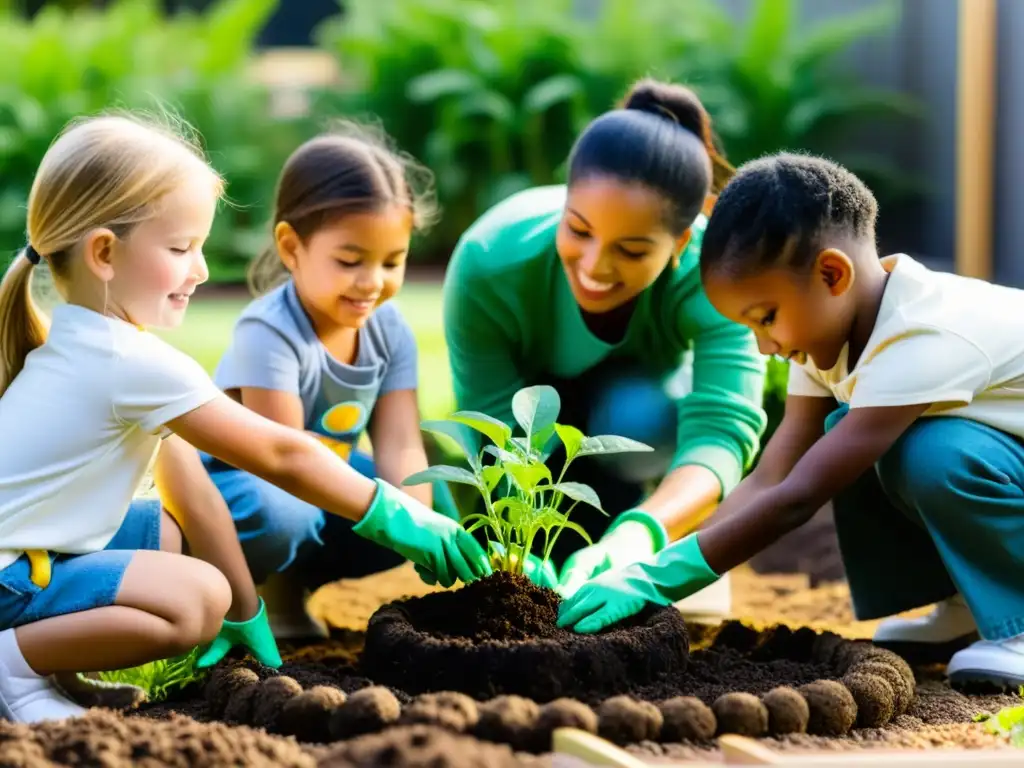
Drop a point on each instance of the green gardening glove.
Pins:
(669, 576)
(633, 535)
(437, 544)
(255, 634)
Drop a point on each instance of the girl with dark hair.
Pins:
(325, 351)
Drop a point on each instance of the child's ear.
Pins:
(680, 246)
(98, 252)
(288, 244)
(836, 270)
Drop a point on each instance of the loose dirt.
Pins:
(938, 717)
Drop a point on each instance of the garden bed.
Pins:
(320, 708)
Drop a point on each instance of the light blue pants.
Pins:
(280, 532)
(943, 512)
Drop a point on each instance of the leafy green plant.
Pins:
(771, 84)
(159, 678)
(522, 497)
(68, 63)
(1007, 722)
(492, 95)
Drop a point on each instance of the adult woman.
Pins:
(593, 288)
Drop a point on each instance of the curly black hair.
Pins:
(775, 210)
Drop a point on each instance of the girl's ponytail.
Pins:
(23, 326)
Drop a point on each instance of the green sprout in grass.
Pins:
(1007, 722)
(529, 498)
(159, 678)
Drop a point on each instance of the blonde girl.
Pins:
(90, 580)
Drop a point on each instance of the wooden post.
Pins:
(976, 128)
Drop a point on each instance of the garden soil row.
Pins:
(453, 730)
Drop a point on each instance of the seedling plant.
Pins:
(522, 499)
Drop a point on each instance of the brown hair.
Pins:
(352, 169)
(107, 171)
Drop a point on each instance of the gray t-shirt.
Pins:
(274, 346)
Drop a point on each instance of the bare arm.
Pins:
(282, 407)
(831, 464)
(398, 442)
(290, 459)
(190, 497)
(802, 425)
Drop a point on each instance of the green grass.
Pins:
(207, 329)
(160, 678)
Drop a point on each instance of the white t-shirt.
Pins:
(81, 425)
(939, 338)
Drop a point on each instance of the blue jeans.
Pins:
(942, 513)
(280, 532)
(79, 582)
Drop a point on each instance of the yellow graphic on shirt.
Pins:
(342, 424)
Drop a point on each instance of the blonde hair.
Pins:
(354, 168)
(106, 171)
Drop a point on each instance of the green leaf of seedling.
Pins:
(498, 431)
(578, 492)
(521, 447)
(442, 472)
(539, 441)
(505, 457)
(457, 433)
(492, 476)
(528, 476)
(552, 518)
(536, 408)
(479, 521)
(579, 529)
(515, 511)
(605, 444)
(571, 438)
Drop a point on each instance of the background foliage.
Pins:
(490, 94)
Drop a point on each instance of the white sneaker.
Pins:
(988, 661)
(26, 697)
(285, 599)
(949, 627)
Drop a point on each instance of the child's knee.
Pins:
(209, 600)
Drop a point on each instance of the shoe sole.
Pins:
(923, 654)
(983, 680)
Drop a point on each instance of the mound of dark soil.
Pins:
(499, 636)
(774, 682)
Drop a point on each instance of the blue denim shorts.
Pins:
(79, 582)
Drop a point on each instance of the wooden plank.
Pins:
(976, 116)
(574, 748)
(739, 750)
